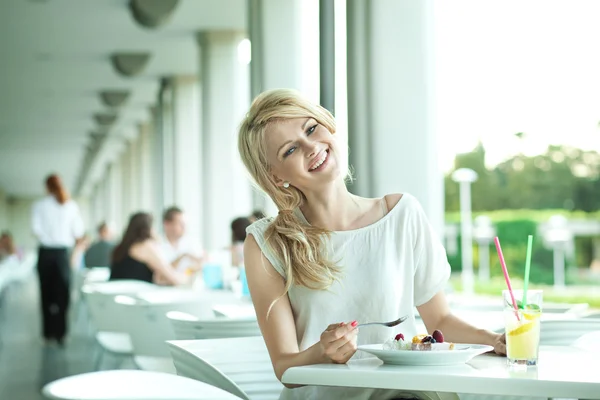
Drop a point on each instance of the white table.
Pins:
(563, 372)
(241, 310)
(169, 294)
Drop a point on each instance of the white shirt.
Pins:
(55, 224)
(387, 268)
(183, 246)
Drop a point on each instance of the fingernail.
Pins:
(341, 324)
(354, 323)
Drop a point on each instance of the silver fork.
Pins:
(388, 324)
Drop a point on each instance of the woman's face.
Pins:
(302, 152)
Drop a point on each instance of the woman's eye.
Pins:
(290, 151)
(311, 129)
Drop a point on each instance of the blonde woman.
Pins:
(330, 259)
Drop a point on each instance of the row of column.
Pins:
(186, 155)
(3, 210)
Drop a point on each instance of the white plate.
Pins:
(460, 355)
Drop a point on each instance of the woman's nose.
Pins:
(311, 149)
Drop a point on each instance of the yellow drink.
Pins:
(523, 333)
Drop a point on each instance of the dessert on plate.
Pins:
(423, 342)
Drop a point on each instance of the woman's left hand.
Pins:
(500, 344)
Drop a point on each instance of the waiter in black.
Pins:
(57, 224)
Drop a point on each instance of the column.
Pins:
(86, 214)
(327, 54)
(134, 175)
(186, 147)
(167, 143)
(158, 174)
(225, 94)
(289, 60)
(106, 199)
(145, 166)
(126, 183)
(3, 210)
(390, 102)
(114, 198)
(95, 210)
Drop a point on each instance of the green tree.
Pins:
(562, 177)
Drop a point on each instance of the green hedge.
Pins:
(513, 227)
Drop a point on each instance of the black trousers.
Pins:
(55, 275)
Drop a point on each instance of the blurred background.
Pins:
(487, 111)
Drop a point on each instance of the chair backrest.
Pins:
(588, 342)
(96, 274)
(240, 366)
(101, 306)
(592, 315)
(244, 310)
(147, 323)
(564, 333)
(5, 272)
(187, 326)
(25, 268)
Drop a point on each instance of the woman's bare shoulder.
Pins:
(143, 250)
(392, 199)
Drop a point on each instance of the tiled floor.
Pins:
(26, 364)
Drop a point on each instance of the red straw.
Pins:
(505, 270)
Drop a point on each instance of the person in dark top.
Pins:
(238, 235)
(138, 255)
(98, 255)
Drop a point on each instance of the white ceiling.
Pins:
(54, 60)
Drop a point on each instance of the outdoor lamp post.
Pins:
(558, 236)
(484, 233)
(464, 177)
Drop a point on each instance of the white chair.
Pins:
(149, 328)
(244, 310)
(592, 315)
(589, 342)
(564, 333)
(187, 326)
(240, 366)
(80, 278)
(132, 385)
(110, 333)
(21, 271)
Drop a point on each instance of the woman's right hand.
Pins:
(338, 342)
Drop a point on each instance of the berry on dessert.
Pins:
(421, 342)
(398, 343)
(428, 339)
(438, 336)
(430, 342)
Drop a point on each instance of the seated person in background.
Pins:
(138, 256)
(98, 255)
(7, 247)
(238, 235)
(177, 249)
(256, 215)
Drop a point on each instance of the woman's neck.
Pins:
(334, 209)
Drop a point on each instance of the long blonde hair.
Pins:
(297, 245)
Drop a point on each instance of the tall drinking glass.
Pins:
(523, 327)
